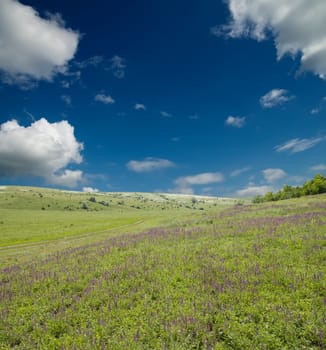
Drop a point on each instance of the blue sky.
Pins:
(224, 98)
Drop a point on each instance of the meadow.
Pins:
(157, 271)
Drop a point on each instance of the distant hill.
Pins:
(21, 197)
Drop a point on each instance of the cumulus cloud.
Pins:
(299, 145)
(67, 178)
(149, 164)
(106, 99)
(140, 107)
(272, 175)
(253, 190)
(33, 48)
(184, 184)
(237, 122)
(199, 179)
(42, 149)
(287, 21)
(90, 189)
(275, 97)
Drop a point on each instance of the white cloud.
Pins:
(240, 171)
(90, 189)
(149, 164)
(252, 190)
(271, 175)
(66, 99)
(275, 97)
(70, 78)
(139, 107)
(42, 149)
(67, 178)
(184, 184)
(288, 22)
(319, 108)
(33, 48)
(319, 167)
(299, 145)
(93, 61)
(199, 179)
(118, 66)
(106, 99)
(237, 122)
(166, 114)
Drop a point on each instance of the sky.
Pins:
(223, 98)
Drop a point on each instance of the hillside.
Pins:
(169, 275)
(32, 215)
(15, 197)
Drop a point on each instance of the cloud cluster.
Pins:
(42, 149)
(273, 174)
(299, 145)
(33, 48)
(140, 107)
(90, 190)
(184, 184)
(92, 61)
(288, 21)
(275, 97)
(237, 122)
(253, 190)
(149, 164)
(106, 99)
(166, 114)
(118, 66)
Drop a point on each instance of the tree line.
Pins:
(315, 186)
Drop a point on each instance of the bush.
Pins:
(84, 206)
(315, 186)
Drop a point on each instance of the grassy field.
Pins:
(156, 271)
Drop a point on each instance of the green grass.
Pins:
(37, 221)
(226, 277)
(30, 215)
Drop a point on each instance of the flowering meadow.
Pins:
(231, 276)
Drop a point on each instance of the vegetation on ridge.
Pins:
(315, 186)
